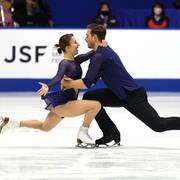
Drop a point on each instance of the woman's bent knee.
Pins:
(46, 128)
(97, 105)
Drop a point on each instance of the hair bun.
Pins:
(59, 50)
(56, 45)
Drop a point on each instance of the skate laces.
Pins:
(89, 136)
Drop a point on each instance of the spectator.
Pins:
(6, 14)
(32, 13)
(104, 17)
(158, 19)
(177, 4)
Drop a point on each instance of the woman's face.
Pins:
(73, 46)
(157, 11)
(105, 7)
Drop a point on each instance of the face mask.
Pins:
(105, 13)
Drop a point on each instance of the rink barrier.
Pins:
(28, 55)
(31, 85)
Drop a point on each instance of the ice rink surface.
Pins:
(27, 154)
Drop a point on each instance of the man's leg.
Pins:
(138, 105)
(107, 98)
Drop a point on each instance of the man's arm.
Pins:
(91, 77)
(94, 70)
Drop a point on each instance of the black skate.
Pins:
(109, 140)
(81, 144)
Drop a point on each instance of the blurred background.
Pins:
(145, 34)
(77, 14)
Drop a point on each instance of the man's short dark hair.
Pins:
(99, 30)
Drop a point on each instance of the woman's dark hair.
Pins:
(99, 30)
(102, 4)
(63, 42)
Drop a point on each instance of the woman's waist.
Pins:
(73, 92)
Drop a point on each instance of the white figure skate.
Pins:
(6, 124)
(83, 138)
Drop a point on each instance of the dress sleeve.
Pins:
(60, 74)
(84, 57)
(94, 69)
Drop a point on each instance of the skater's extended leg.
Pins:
(70, 109)
(50, 122)
(140, 107)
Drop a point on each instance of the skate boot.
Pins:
(83, 138)
(6, 124)
(109, 140)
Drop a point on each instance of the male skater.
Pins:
(121, 91)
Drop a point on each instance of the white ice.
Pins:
(27, 154)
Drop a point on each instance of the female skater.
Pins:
(63, 103)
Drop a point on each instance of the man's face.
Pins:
(90, 39)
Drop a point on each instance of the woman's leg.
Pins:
(70, 109)
(75, 108)
(78, 107)
(51, 121)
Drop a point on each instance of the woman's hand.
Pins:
(104, 43)
(44, 89)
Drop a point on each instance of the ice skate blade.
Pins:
(108, 145)
(80, 144)
(86, 146)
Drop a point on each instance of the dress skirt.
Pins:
(53, 99)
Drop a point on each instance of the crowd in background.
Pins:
(37, 13)
(20, 13)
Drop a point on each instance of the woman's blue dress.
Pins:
(72, 69)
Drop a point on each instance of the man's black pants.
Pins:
(136, 103)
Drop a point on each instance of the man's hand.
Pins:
(68, 83)
(65, 83)
(67, 78)
(44, 89)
